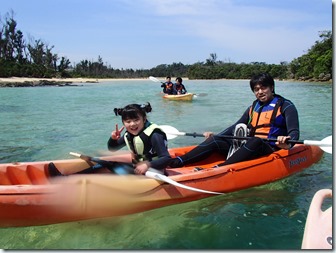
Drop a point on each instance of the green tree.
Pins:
(317, 62)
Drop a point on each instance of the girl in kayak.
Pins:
(270, 116)
(179, 88)
(146, 141)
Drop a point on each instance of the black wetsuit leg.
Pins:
(253, 148)
(202, 151)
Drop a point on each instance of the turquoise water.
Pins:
(46, 123)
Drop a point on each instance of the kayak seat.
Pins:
(18, 176)
(37, 175)
(4, 180)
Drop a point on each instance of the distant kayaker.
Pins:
(168, 86)
(146, 141)
(269, 116)
(179, 87)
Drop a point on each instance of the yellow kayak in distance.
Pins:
(182, 97)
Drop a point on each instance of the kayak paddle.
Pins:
(151, 173)
(116, 167)
(172, 132)
(154, 79)
(325, 144)
(201, 94)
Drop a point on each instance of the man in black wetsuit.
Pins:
(270, 116)
(168, 86)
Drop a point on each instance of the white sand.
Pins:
(72, 80)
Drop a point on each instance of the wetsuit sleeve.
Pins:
(185, 90)
(114, 145)
(292, 119)
(243, 119)
(159, 146)
(174, 89)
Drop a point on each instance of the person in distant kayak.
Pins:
(269, 116)
(168, 86)
(146, 141)
(179, 87)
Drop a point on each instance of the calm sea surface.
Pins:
(46, 123)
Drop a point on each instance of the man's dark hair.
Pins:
(263, 79)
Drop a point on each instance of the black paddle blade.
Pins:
(120, 168)
(115, 167)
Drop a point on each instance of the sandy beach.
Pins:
(32, 82)
(70, 80)
(35, 82)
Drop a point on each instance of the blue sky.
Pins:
(142, 34)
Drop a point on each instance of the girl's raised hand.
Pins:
(115, 135)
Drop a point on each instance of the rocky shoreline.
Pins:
(36, 84)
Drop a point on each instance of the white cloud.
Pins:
(258, 33)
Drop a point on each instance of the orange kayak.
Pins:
(30, 196)
(183, 97)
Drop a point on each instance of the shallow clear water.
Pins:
(46, 123)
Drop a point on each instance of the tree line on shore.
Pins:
(35, 58)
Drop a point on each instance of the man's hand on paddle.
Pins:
(282, 142)
(208, 134)
(115, 135)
